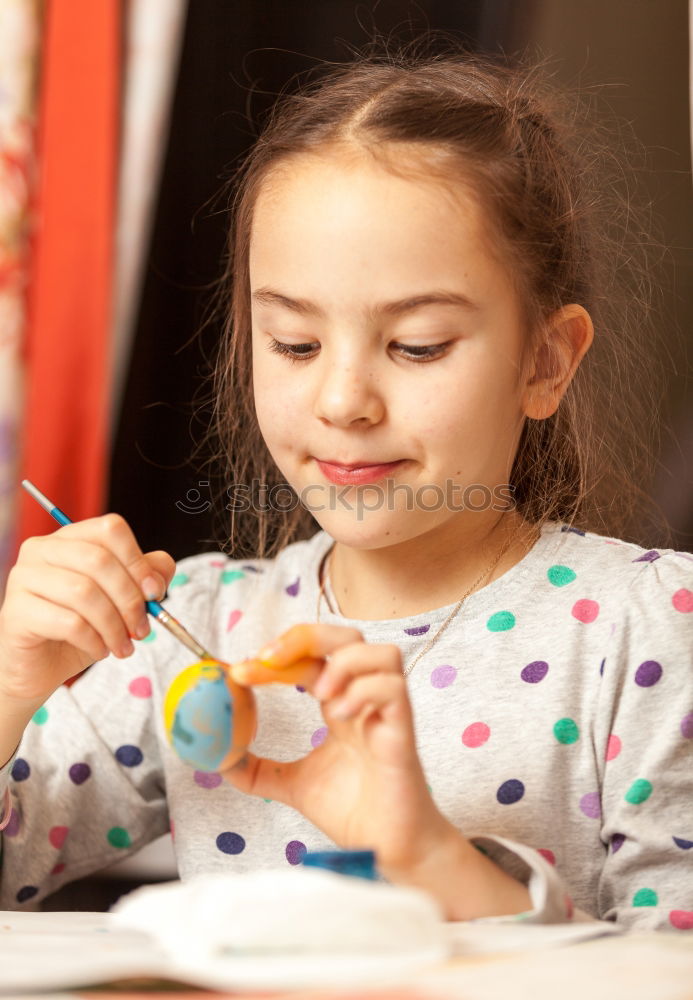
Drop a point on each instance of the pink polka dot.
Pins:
(172, 827)
(585, 611)
(568, 907)
(681, 919)
(683, 601)
(476, 734)
(546, 853)
(141, 687)
(234, 619)
(57, 835)
(218, 563)
(613, 747)
(207, 779)
(57, 869)
(319, 736)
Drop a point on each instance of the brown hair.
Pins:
(562, 207)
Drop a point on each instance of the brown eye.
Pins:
(420, 352)
(294, 352)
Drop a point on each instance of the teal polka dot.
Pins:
(645, 897)
(118, 837)
(267, 800)
(638, 792)
(566, 731)
(502, 621)
(178, 580)
(559, 576)
(229, 575)
(149, 638)
(41, 716)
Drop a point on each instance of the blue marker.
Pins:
(155, 609)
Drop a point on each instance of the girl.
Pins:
(500, 700)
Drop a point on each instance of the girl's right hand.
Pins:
(73, 597)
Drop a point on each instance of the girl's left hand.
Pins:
(364, 785)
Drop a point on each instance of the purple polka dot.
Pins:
(590, 805)
(648, 673)
(650, 556)
(295, 852)
(443, 676)
(687, 726)
(417, 630)
(299, 687)
(617, 842)
(207, 779)
(319, 736)
(26, 892)
(79, 773)
(535, 671)
(685, 845)
(20, 769)
(12, 828)
(510, 791)
(293, 588)
(230, 843)
(129, 756)
(601, 667)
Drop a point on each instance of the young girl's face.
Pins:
(387, 346)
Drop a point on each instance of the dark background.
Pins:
(237, 55)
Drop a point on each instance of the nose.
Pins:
(349, 394)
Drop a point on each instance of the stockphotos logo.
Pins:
(258, 497)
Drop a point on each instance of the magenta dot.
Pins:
(443, 676)
(648, 673)
(585, 611)
(476, 734)
(546, 853)
(687, 726)
(319, 736)
(683, 600)
(57, 835)
(590, 805)
(57, 869)
(295, 852)
(535, 671)
(207, 779)
(613, 747)
(140, 687)
(12, 828)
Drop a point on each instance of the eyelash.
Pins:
(425, 353)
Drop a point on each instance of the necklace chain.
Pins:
(450, 618)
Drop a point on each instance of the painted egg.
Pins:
(210, 720)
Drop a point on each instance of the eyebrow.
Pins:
(268, 296)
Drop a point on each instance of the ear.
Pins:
(568, 335)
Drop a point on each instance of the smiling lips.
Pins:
(358, 472)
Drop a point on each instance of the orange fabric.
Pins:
(65, 429)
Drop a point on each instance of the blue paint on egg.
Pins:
(203, 724)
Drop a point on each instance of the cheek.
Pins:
(277, 405)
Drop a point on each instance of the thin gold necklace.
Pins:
(450, 618)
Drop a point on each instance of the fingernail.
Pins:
(267, 653)
(127, 649)
(151, 588)
(142, 629)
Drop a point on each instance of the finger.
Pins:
(46, 620)
(163, 565)
(303, 672)
(354, 660)
(260, 776)
(306, 640)
(113, 533)
(377, 692)
(98, 568)
(78, 595)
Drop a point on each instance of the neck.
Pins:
(440, 566)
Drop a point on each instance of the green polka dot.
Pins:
(645, 897)
(118, 837)
(149, 638)
(178, 580)
(501, 621)
(559, 576)
(229, 575)
(267, 800)
(566, 731)
(41, 716)
(638, 792)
